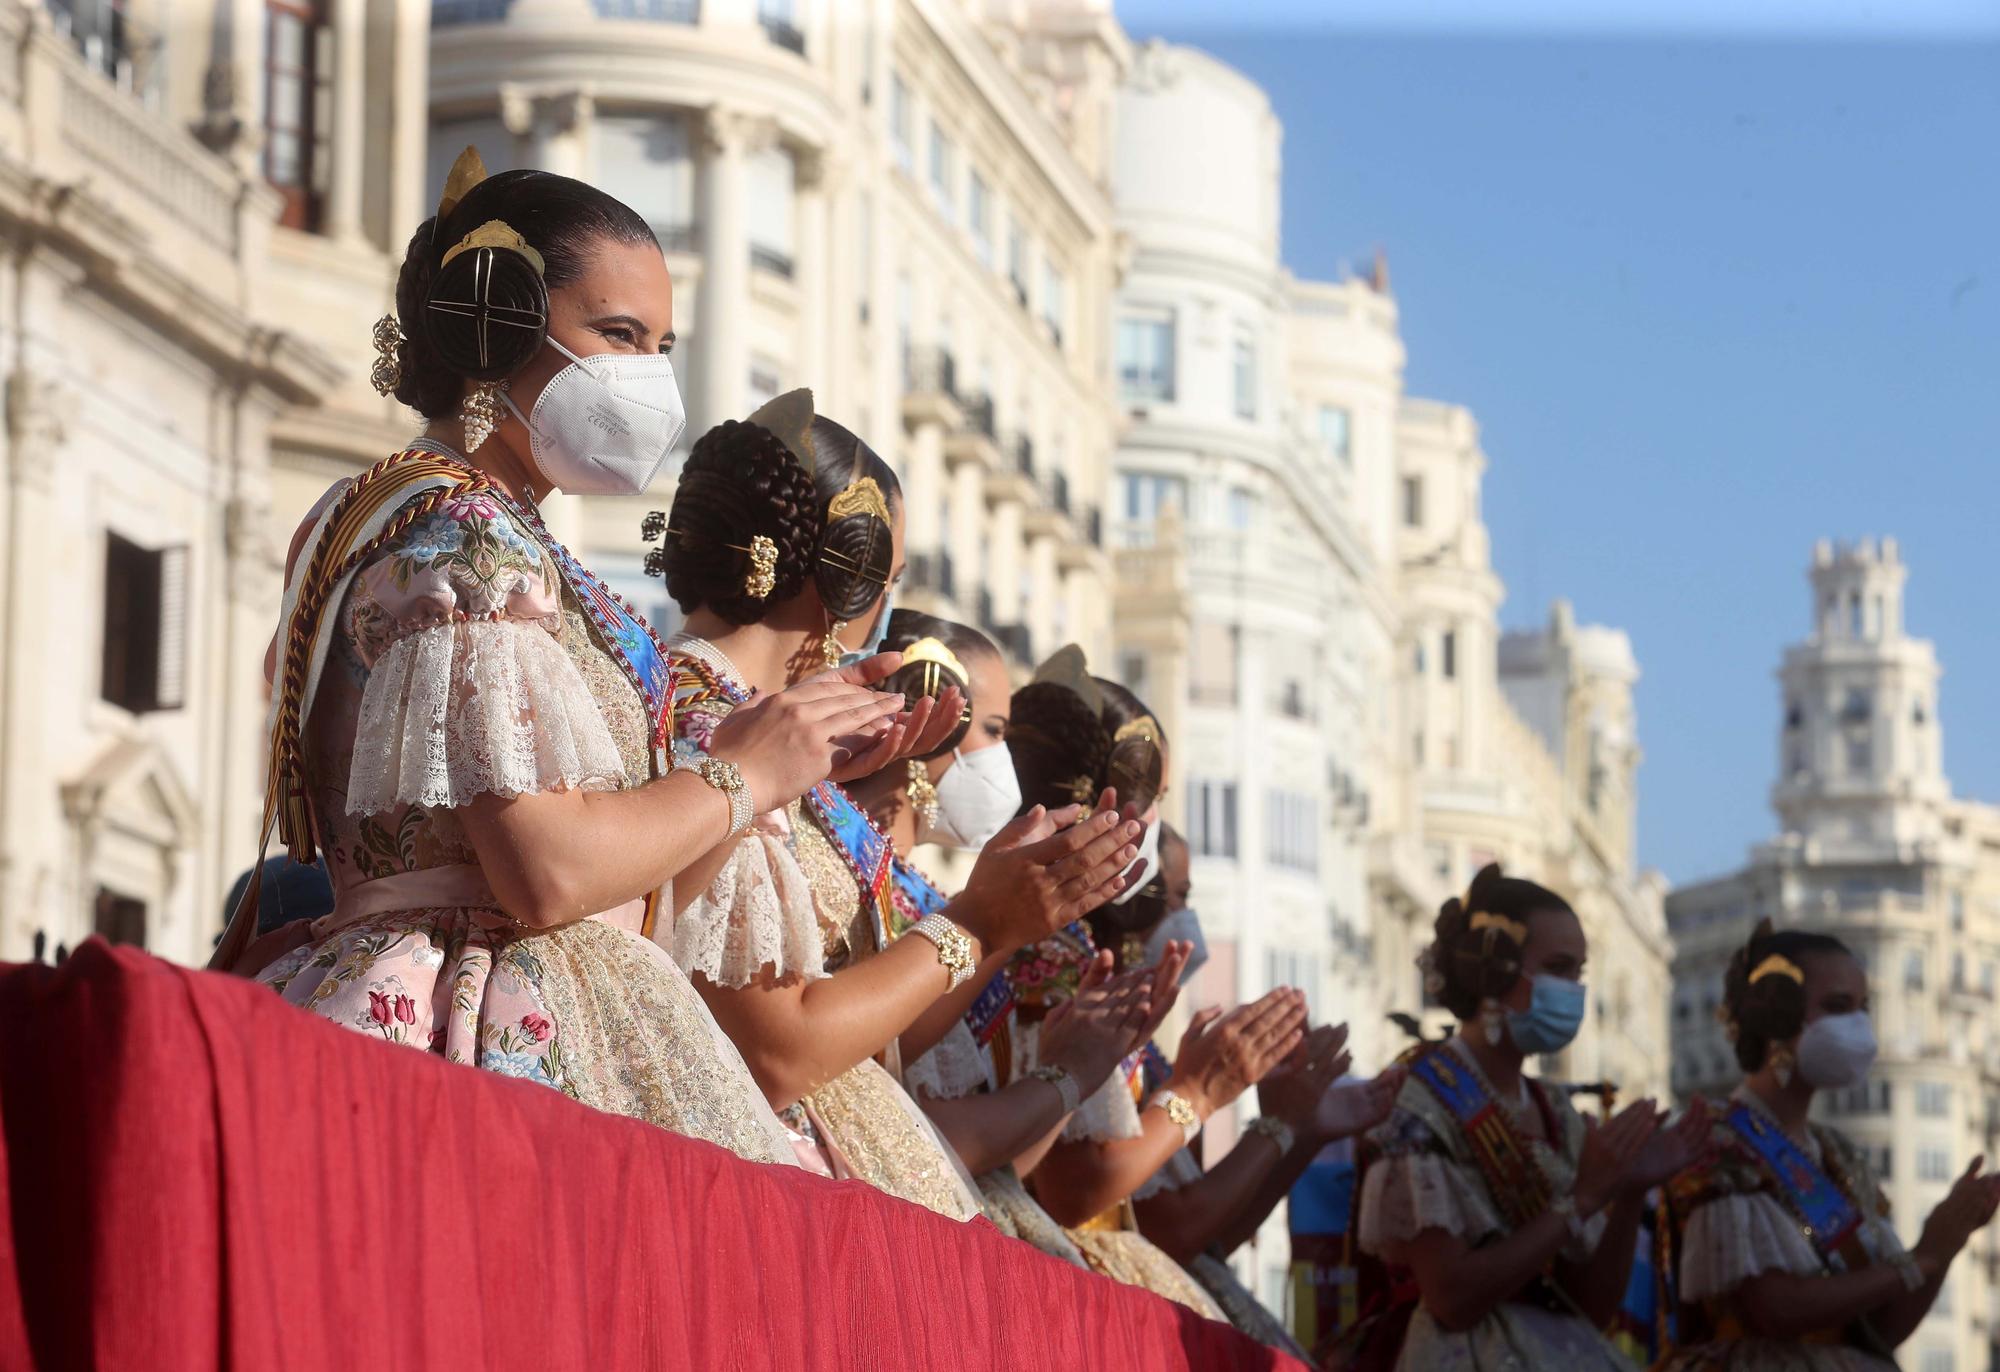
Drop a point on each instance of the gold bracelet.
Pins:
(1180, 1112)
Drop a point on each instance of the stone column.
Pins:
(722, 350)
(968, 536)
(1003, 562)
(1041, 612)
(411, 198)
(814, 178)
(923, 488)
(350, 128)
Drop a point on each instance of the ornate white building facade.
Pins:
(1874, 848)
(1305, 594)
(901, 203)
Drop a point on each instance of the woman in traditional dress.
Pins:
(1515, 1224)
(785, 539)
(1072, 733)
(1785, 1255)
(961, 797)
(468, 724)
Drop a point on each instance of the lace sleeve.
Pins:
(957, 1067)
(755, 919)
(1415, 1185)
(1733, 1238)
(467, 690)
(1179, 1170)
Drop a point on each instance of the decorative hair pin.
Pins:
(932, 653)
(758, 582)
(1486, 919)
(496, 233)
(1777, 965)
(387, 373)
(1144, 727)
(862, 497)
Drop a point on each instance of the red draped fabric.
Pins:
(197, 1175)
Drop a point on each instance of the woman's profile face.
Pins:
(992, 706)
(1834, 984)
(623, 303)
(1555, 948)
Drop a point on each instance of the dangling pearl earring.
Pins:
(1781, 1064)
(481, 414)
(1492, 1018)
(829, 647)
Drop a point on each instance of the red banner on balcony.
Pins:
(197, 1175)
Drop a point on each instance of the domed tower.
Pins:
(1860, 749)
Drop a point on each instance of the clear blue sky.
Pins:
(1712, 295)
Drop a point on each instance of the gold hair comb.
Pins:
(1777, 965)
(862, 497)
(1512, 928)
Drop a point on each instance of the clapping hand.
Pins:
(1609, 1152)
(1672, 1151)
(1090, 1033)
(1967, 1208)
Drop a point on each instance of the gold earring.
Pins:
(387, 373)
(1782, 1063)
(481, 414)
(1492, 1018)
(923, 795)
(1132, 953)
(829, 647)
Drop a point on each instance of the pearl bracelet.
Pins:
(1064, 1083)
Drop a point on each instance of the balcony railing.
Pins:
(1015, 639)
(109, 41)
(785, 34)
(978, 411)
(933, 572)
(1093, 526)
(930, 371)
(1024, 455)
(771, 260)
(1055, 489)
(655, 11)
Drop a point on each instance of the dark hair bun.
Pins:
(740, 481)
(852, 564)
(929, 677)
(1471, 965)
(1771, 1009)
(487, 312)
(1061, 748)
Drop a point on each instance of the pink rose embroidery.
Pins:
(537, 1027)
(466, 509)
(406, 1010)
(379, 1008)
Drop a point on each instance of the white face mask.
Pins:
(976, 797)
(1182, 925)
(1837, 1050)
(604, 425)
(1144, 867)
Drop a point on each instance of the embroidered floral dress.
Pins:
(1427, 1176)
(464, 664)
(788, 905)
(1043, 976)
(1731, 1223)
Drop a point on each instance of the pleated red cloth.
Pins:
(198, 1175)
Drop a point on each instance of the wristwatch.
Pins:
(1274, 1129)
(1180, 1112)
(954, 947)
(728, 779)
(1064, 1083)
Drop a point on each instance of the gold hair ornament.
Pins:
(862, 497)
(496, 233)
(1143, 727)
(1777, 965)
(387, 373)
(468, 171)
(932, 652)
(1066, 667)
(1486, 919)
(789, 419)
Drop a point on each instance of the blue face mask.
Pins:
(1553, 1016)
(881, 631)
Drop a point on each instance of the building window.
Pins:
(1055, 300)
(298, 115)
(769, 186)
(1017, 260)
(1933, 1164)
(1246, 377)
(1413, 502)
(1212, 819)
(1913, 970)
(145, 625)
(1240, 510)
(1286, 967)
(1132, 671)
(1291, 829)
(1146, 357)
(649, 158)
(1448, 654)
(899, 122)
(1933, 1099)
(1336, 431)
(979, 218)
(1857, 708)
(1860, 755)
(1884, 1160)
(1149, 494)
(942, 157)
(120, 919)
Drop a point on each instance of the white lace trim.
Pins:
(756, 914)
(957, 1067)
(1734, 1238)
(479, 707)
(1179, 1170)
(1405, 1194)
